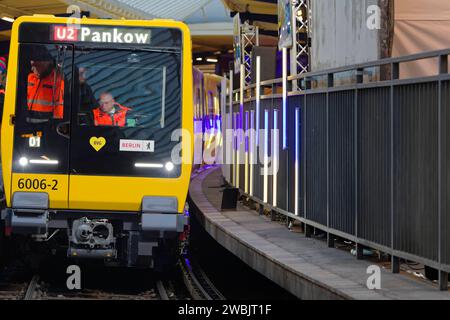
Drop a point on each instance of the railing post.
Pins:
(330, 80)
(395, 264)
(330, 84)
(359, 80)
(395, 261)
(359, 251)
(309, 230)
(330, 240)
(395, 71)
(443, 64)
(308, 83)
(442, 150)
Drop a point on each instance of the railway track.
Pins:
(189, 281)
(12, 291)
(14, 282)
(197, 283)
(44, 291)
(21, 284)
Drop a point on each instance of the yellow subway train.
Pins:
(97, 138)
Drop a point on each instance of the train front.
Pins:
(96, 138)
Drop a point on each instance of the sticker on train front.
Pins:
(97, 143)
(137, 145)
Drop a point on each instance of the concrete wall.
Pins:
(420, 28)
(340, 35)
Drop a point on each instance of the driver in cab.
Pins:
(110, 113)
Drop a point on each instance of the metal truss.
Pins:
(301, 12)
(249, 39)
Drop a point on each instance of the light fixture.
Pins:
(169, 166)
(50, 162)
(297, 159)
(212, 60)
(275, 158)
(266, 155)
(23, 161)
(148, 165)
(8, 19)
(199, 59)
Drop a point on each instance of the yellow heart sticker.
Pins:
(97, 143)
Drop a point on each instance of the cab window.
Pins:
(42, 108)
(128, 103)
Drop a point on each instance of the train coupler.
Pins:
(92, 238)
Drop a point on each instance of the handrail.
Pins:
(376, 63)
(355, 67)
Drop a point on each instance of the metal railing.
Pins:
(368, 160)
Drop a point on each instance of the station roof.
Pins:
(209, 21)
(172, 9)
(260, 13)
(130, 9)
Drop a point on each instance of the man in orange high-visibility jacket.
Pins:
(110, 113)
(45, 89)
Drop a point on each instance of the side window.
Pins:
(198, 104)
(43, 108)
(210, 103)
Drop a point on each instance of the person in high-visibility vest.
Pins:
(110, 113)
(45, 88)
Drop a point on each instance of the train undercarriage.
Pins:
(127, 239)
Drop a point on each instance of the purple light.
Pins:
(219, 123)
(235, 136)
(246, 131)
(284, 123)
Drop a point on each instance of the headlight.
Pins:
(23, 161)
(169, 166)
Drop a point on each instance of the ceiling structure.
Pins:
(260, 13)
(209, 21)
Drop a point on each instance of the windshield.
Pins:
(128, 105)
(114, 81)
(97, 111)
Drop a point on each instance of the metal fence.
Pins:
(368, 161)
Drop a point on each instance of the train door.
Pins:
(41, 121)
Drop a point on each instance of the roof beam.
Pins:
(251, 6)
(13, 11)
(211, 29)
(109, 9)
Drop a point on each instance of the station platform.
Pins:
(306, 267)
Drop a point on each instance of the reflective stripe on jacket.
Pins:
(118, 118)
(44, 96)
